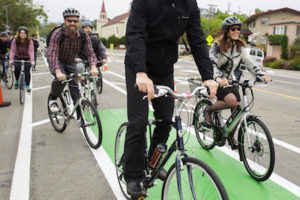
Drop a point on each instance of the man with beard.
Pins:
(4, 45)
(62, 53)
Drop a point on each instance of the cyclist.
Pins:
(95, 34)
(226, 54)
(22, 49)
(4, 45)
(97, 45)
(152, 50)
(36, 46)
(61, 55)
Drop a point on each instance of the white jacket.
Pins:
(226, 63)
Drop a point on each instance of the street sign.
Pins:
(111, 48)
(209, 40)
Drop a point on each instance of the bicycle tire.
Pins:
(204, 135)
(119, 160)
(22, 88)
(58, 119)
(99, 83)
(94, 99)
(9, 78)
(91, 119)
(205, 182)
(251, 156)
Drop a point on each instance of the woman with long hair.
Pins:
(226, 54)
(22, 49)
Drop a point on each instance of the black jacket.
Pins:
(98, 48)
(152, 34)
(36, 45)
(4, 46)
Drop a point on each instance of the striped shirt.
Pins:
(69, 48)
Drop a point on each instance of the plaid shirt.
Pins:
(68, 50)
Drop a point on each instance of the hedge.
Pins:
(281, 40)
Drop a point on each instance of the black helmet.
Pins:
(86, 23)
(71, 12)
(230, 21)
(9, 32)
(3, 34)
(23, 28)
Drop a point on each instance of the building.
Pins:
(116, 26)
(289, 27)
(259, 23)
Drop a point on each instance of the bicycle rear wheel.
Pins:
(94, 99)
(99, 83)
(58, 119)
(91, 124)
(259, 157)
(22, 88)
(9, 78)
(204, 135)
(119, 158)
(198, 181)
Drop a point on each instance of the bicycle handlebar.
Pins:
(160, 90)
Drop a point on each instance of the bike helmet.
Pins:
(230, 21)
(87, 23)
(95, 33)
(3, 34)
(71, 12)
(23, 28)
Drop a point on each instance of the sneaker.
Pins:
(16, 85)
(53, 106)
(134, 188)
(28, 89)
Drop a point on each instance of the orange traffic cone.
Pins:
(175, 89)
(105, 67)
(3, 104)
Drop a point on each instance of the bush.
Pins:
(267, 64)
(281, 40)
(276, 64)
(294, 64)
(269, 59)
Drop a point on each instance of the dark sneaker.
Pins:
(162, 174)
(16, 86)
(134, 188)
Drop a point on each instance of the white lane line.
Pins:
(274, 177)
(21, 178)
(40, 122)
(40, 88)
(42, 73)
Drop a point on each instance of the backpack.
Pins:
(82, 35)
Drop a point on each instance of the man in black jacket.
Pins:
(152, 34)
(36, 46)
(4, 46)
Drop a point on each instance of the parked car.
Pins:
(182, 50)
(257, 55)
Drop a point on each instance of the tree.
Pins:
(257, 10)
(21, 13)
(46, 28)
(112, 40)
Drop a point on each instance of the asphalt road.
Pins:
(62, 166)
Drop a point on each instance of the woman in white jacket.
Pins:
(226, 54)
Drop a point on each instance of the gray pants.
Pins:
(57, 87)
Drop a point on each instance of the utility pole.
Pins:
(211, 9)
(6, 10)
(228, 10)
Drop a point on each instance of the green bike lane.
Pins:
(238, 183)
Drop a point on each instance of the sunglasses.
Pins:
(70, 21)
(235, 28)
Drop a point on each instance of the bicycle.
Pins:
(99, 82)
(203, 182)
(89, 120)
(255, 145)
(88, 84)
(8, 75)
(22, 82)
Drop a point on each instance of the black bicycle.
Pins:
(7, 75)
(22, 83)
(89, 120)
(188, 178)
(255, 144)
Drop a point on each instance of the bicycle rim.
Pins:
(204, 135)
(259, 157)
(91, 124)
(199, 182)
(58, 119)
(22, 88)
(9, 79)
(119, 160)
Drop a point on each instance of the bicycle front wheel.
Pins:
(99, 83)
(57, 119)
(119, 157)
(94, 99)
(198, 181)
(257, 149)
(9, 78)
(204, 135)
(91, 124)
(22, 88)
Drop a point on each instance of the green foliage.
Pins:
(295, 64)
(21, 13)
(257, 10)
(104, 41)
(276, 64)
(122, 40)
(281, 40)
(297, 47)
(46, 28)
(112, 40)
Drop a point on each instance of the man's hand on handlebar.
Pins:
(267, 79)
(59, 75)
(94, 71)
(222, 82)
(212, 86)
(145, 84)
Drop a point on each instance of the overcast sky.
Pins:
(91, 8)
